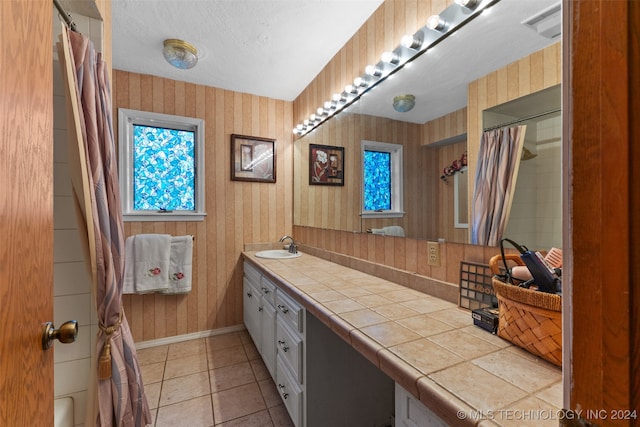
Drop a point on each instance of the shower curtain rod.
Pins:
(65, 16)
(524, 119)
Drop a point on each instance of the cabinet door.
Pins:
(410, 412)
(290, 348)
(251, 312)
(290, 392)
(268, 320)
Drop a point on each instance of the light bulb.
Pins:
(390, 58)
(373, 70)
(412, 41)
(360, 82)
(436, 23)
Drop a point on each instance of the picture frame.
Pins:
(326, 165)
(253, 158)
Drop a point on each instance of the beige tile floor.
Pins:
(215, 381)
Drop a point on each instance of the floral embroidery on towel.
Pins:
(154, 271)
(177, 276)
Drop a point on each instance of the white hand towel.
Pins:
(393, 230)
(180, 265)
(151, 262)
(129, 282)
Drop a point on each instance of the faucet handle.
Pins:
(292, 246)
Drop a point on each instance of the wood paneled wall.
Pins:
(452, 126)
(445, 212)
(448, 126)
(237, 212)
(402, 253)
(540, 70)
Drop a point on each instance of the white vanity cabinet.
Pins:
(322, 380)
(259, 314)
(276, 325)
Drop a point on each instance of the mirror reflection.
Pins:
(461, 199)
(439, 130)
(536, 209)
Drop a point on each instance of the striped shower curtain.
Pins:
(496, 175)
(116, 391)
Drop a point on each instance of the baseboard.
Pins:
(188, 337)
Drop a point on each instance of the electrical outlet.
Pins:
(433, 249)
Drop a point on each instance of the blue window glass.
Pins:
(377, 180)
(164, 169)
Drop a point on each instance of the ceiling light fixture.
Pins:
(180, 54)
(411, 46)
(404, 103)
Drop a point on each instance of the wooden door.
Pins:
(600, 107)
(26, 212)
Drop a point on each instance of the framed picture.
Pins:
(326, 165)
(253, 159)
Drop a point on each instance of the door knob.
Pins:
(67, 333)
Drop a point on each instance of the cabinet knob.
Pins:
(283, 346)
(265, 290)
(283, 308)
(284, 394)
(249, 294)
(260, 308)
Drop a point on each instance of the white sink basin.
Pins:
(277, 254)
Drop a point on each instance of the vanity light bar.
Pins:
(436, 29)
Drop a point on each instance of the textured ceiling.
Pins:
(271, 48)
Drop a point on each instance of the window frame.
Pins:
(127, 119)
(397, 179)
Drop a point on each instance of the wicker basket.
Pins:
(530, 319)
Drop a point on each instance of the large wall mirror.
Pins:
(439, 80)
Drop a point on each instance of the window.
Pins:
(161, 166)
(382, 180)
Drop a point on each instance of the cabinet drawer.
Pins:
(252, 273)
(268, 289)
(289, 310)
(290, 392)
(289, 347)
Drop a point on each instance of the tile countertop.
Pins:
(429, 346)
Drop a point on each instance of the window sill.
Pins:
(386, 214)
(161, 217)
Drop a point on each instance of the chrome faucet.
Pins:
(293, 249)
